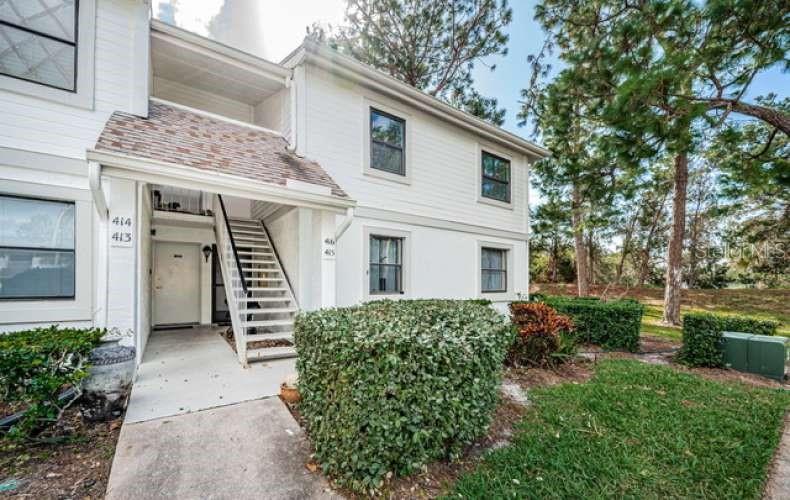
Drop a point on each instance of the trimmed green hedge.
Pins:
(612, 324)
(702, 340)
(390, 386)
(36, 365)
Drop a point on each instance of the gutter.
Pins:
(346, 223)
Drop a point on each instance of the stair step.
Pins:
(270, 336)
(271, 280)
(269, 353)
(246, 231)
(268, 310)
(269, 322)
(264, 299)
(253, 270)
(263, 289)
(239, 219)
(268, 270)
(241, 239)
(249, 245)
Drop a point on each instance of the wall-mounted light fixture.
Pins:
(207, 252)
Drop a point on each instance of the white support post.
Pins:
(328, 259)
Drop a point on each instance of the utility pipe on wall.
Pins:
(102, 208)
(346, 222)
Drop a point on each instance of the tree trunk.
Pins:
(591, 254)
(629, 231)
(578, 243)
(674, 276)
(554, 261)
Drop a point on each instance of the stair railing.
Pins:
(233, 275)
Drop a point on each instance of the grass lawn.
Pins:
(764, 304)
(637, 431)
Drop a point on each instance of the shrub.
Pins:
(612, 324)
(390, 386)
(36, 365)
(702, 340)
(538, 340)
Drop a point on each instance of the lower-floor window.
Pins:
(386, 265)
(494, 269)
(36, 248)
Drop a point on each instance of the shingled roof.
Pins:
(175, 135)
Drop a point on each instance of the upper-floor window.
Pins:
(495, 183)
(493, 267)
(386, 265)
(387, 142)
(38, 41)
(36, 248)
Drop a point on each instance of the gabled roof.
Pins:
(181, 136)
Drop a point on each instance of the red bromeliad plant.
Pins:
(539, 334)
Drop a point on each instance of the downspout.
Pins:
(346, 223)
(100, 202)
(290, 84)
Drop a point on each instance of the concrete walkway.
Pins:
(194, 369)
(244, 451)
(778, 487)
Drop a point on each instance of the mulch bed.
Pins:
(258, 344)
(71, 461)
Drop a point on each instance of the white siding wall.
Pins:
(200, 99)
(33, 124)
(438, 263)
(273, 113)
(285, 237)
(443, 160)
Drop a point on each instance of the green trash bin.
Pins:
(736, 350)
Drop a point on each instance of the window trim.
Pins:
(405, 254)
(368, 106)
(84, 41)
(38, 298)
(496, 152)
(505, 258)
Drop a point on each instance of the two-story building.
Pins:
(150, 177)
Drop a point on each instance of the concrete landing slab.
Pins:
(244, 451)
(194, 369)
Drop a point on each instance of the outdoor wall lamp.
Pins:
(207, 252)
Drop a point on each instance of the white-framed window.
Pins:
(493, 270)
(495, 177)
(37, 248)
(387, 263)
(387, 142)
(496, 271)
(46, 49)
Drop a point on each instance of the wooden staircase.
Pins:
(263, 305)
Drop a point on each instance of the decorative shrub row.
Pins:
(36, 365)
(543, 337)
(612, 324)
(390, 386)
(702, 339)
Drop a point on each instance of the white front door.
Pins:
(176, 283)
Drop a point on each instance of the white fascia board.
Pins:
(159, 172)
(336, 63)
(216, 50)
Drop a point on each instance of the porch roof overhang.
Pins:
(186, 148)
